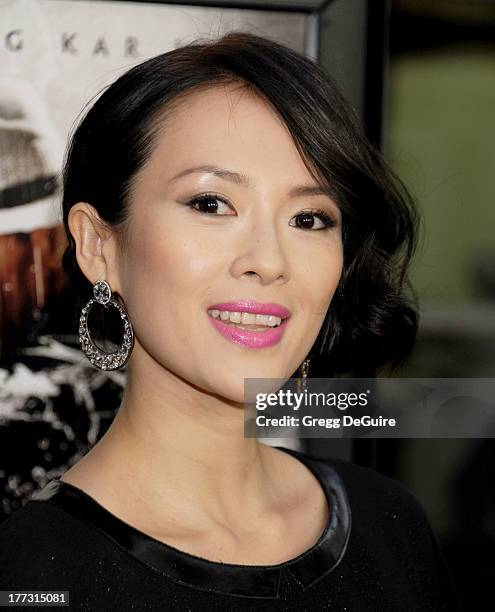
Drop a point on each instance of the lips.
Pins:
(246, 337)
(251, 339)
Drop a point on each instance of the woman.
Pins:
(224, 195)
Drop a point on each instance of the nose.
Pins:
(262, 254)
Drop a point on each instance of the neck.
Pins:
(177, 446)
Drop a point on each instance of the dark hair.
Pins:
(372, 321)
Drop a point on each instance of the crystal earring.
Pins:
(302, 384)
(105, 361)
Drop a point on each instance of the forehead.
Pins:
(227, 126)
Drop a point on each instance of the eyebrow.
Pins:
(243, 180)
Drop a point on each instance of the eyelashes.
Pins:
(203, 204)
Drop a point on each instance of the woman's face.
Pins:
(245, 242)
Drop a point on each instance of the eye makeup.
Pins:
(206, 200)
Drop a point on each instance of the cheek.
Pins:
(154, 273)
(323, 275)
(166, 274)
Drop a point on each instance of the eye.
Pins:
(307, 220)
(207, 203)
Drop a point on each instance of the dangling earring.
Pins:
(105, 361)
(302, 385)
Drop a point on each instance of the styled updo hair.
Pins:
(373, 318)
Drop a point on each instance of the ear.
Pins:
(96, 246)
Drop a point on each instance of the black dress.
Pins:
(377, 553)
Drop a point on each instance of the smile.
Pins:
(251, 329)
(246, 320)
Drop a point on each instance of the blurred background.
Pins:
(420, 75)
(439, 134)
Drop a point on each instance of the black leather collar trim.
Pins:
(257, 581)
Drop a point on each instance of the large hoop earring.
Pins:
(105, 361)
(302, 384)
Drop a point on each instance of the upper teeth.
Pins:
(246, 318)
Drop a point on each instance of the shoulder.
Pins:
(384, 513)
(377, 505)
(391, 531)
(37, 543)
(372, 492)
(28, 523)
(387, 519)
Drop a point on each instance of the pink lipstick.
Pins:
(254, 307)
(247, 337)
